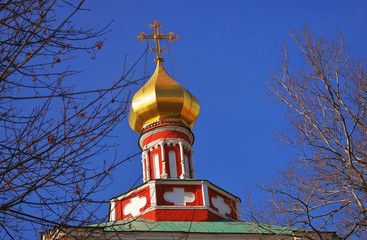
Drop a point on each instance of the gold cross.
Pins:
(157, 38)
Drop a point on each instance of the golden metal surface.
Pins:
(162, 98)
(157, 39)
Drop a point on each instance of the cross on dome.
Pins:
(161, 98)
(157, 39)
(164, 113)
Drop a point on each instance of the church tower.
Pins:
(171, 203)
(164, 114)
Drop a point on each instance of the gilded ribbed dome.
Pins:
(160, 99)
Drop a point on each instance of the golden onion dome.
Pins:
(162, 99)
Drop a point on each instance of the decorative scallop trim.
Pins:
(164, 120)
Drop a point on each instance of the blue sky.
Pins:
(225, 56)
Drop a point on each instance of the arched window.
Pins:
(172, 164)
(187, 169)
(157, 172)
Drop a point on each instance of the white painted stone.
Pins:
(113, 211)
(179, 197)
(134, 206)
(222, 207)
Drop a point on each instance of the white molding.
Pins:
(174, 141)
(183, 175)
(172, 207)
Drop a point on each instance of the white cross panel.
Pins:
(222, 207)
(134, 206)
(179, 197)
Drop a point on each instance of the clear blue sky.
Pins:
(226, 55)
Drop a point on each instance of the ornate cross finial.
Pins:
(157, 38)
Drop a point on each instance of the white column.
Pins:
(143, 157)
(183, 175)
(147, 165)
(164, 171)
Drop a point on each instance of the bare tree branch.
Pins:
(49, 131)
(325, 188)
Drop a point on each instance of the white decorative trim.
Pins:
(164, 120)
(183, 207)
(134, 206)
(163, 157)
(183, 175)
(223, 208)
(179, 197)
(143, 157)
(147, 165)
(168, 141)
